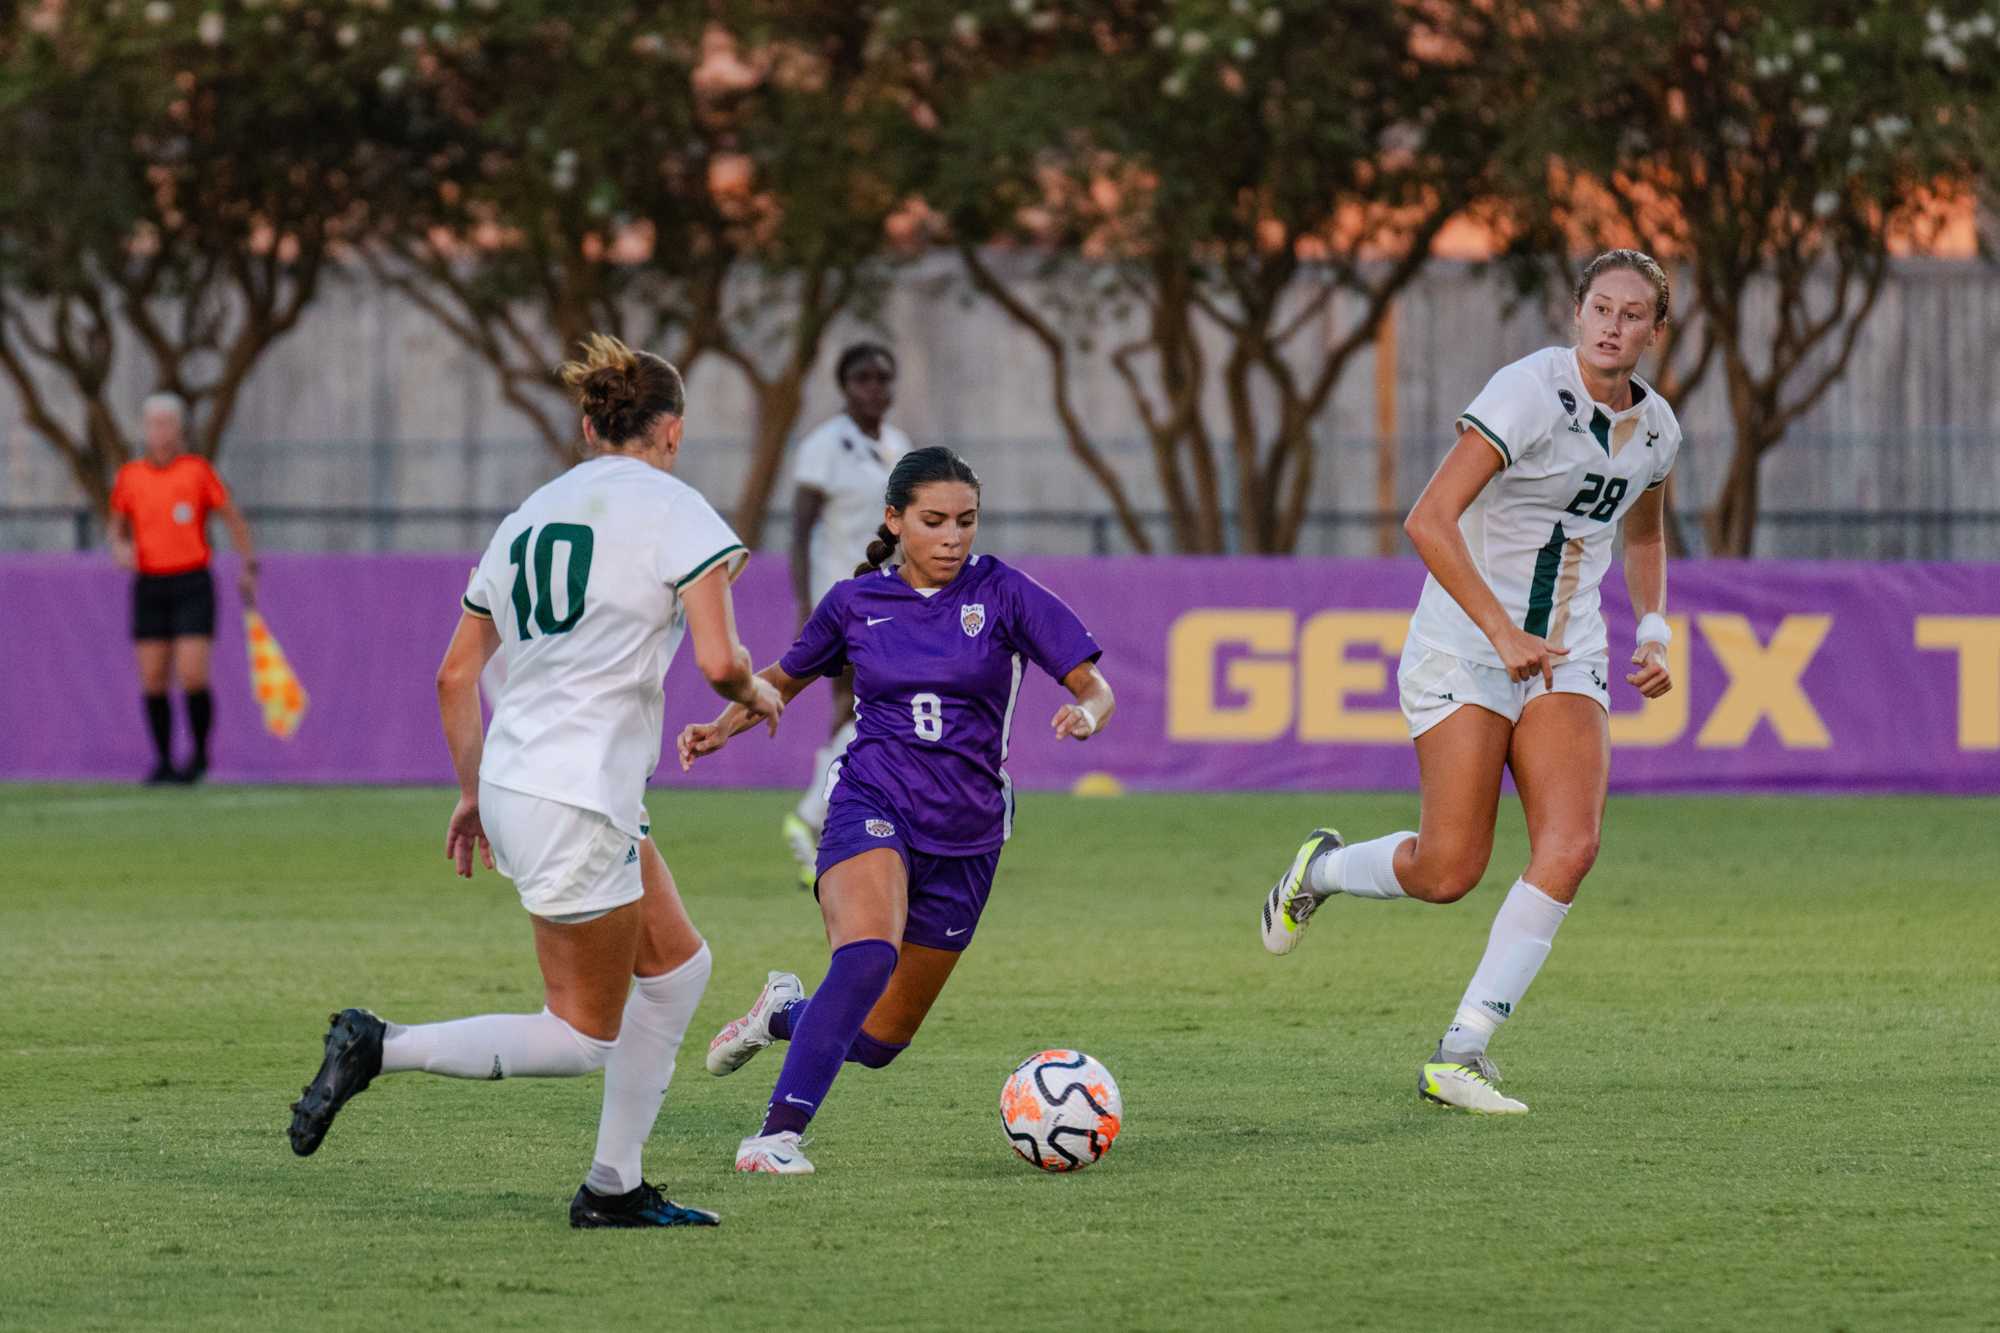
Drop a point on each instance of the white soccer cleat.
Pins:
(743, 1037)
(803, 843)
(773, 1155)
(1466, 1082)
(1292, 900)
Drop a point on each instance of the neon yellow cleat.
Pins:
(1292, 901)
(1466, 1082)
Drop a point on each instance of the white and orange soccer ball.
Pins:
(1061, 1110)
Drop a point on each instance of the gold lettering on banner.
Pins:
(1265, 682)
(1327, 676)
(1664, 720)
(1976, 640)
(1764, 682)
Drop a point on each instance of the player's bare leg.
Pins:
(1561, 759)
(865, 900)
(1460, 760)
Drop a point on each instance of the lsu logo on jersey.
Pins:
(972, 618)
(880, 828)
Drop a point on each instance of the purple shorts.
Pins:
(947, 893)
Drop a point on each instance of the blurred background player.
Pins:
(920, 805)
(839, 473)
(1508, 660)
(586, 589)
(160, 504)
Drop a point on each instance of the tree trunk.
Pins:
(778, 404)
(1732, 527)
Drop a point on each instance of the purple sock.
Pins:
(872, 1054)
(859, 974)
(785, 1021)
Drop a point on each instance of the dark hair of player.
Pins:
(854, 354)
(622, 391)
(919, 467)
(1640, 263)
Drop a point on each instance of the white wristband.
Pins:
(1653, 628)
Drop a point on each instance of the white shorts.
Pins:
(1434, 685)
(566, 862)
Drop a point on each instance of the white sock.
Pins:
(494, 1046)
(1366, 869)
(1524, 930)
(641, 1065)
(812, 805)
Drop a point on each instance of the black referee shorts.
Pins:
(171, 606)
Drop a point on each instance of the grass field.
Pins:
(1760, 1062)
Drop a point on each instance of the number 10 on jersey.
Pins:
(581, 542)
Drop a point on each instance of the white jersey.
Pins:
(583, 583)
(1541, 531)
(853, 470)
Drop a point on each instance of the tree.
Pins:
(643, 171)
(174, 188)
(1234, 173)
(1778, 154)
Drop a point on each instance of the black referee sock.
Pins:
(201, 712)
(160, 720)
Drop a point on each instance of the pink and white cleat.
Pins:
(773, 1155)
(743, 1037)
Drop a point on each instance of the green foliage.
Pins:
(1775, 151)
(175, 183)
(1748, 1061)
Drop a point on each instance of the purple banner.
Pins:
(1230, 674)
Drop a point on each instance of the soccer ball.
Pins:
(1061, 1110)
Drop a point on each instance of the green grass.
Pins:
(1760, 1061)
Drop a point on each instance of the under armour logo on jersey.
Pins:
(972, 618)
(1567, 399)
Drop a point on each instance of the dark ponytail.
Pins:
(919, 467)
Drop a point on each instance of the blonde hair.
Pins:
(621, 391)
(1639, 262)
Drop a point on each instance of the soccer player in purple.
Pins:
(920, 804)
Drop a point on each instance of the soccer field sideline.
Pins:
(1746, 1060)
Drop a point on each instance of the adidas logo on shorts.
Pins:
(632, 854)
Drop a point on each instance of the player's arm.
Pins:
(705, 738)
(472, 646)
(807, 504)
(118, 528)
(1645, 530)
(719, 654)
(240, 540)
(1433, 529)
(1092, 709)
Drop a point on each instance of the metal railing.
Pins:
(1887, 534)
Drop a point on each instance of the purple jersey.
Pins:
(935, 683)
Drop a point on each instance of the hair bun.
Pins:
(621, 391)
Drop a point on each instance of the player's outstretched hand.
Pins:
(1652, 679)
(463, 834)
(1074, 720)
(697, 739)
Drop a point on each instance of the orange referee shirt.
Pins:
(168, 508)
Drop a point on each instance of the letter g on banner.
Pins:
(1261, 676)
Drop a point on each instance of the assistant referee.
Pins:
(160, 505)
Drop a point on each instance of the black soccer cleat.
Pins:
(642, 1207)
(353, 1059)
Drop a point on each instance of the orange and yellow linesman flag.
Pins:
(279, 693)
